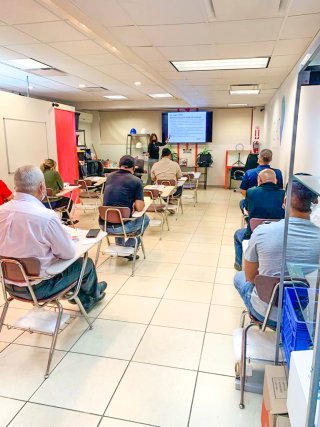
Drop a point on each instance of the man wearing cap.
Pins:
(125, 190)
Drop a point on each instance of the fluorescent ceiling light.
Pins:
(81, 85)
(244, 92)
(160, 95)
(115, 97)
(237, 105)
(221, 64)
(26, 64)
(137, 83)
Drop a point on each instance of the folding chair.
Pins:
(24, 272)
(157, 207)
(191, 184)
(119, 216)
(50, 199)
(267, 289)
(87, 192)
(173, 183)
(255, 222)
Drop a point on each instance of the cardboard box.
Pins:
(283, 421)
(274, 395)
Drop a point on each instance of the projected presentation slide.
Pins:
(187, 127)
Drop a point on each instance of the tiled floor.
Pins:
(161, 350)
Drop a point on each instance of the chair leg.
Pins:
(243, 318)
(178, 207)
(166, 215)
(83, 311)
(142, 247)
(97, 253)
(54, 337)
(4, 313)
(162, 223)
(134, 256)
(243, 363)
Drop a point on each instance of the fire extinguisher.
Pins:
(255, 146)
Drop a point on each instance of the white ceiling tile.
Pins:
(245, 31)
(285, 61)
(234, 50)
(245, 9)
(148, 53)
(164, 11)
(301, 26)
(9, 54)
(23, 11)
(84, 47)
(304, 7)
(160, 65)
(99, 59)
(52, 31)
(290, 47)
(176, 35)
(130, 36)
(107, 13)
(10, 36)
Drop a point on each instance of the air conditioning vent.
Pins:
(95, 89)
(48, 72)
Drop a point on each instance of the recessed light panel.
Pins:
(115, 97)
(244, 92)
(26, 64)
(221, 64)
(237, 105)
(160, 95)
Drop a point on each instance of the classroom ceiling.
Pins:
(108, 45)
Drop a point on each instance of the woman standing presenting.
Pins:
(153, 152)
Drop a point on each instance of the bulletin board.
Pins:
(26, 143)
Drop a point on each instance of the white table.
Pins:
(81, 250)
(165, 190)
(66, 190)
(147, 203)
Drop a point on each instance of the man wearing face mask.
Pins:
(153, 152)
(29, 229)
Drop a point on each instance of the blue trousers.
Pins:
(245, 288)
(130, 227)
(243, 205)
(88, 291)
(238, 238)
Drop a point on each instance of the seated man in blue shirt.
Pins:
(264, 253)
(264, 201)
(125, 190)
(250, 178)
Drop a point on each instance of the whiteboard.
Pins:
(26, 143)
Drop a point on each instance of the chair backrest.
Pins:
(251, 162)
(152, 193)
(15, 269)
(255, 222)
(49, 192)
(265, 286)
(114, 214)
(83, 183)
(139, 165)
(167, 182)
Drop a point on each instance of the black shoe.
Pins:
(94, 302)
(237, 266)
(102, 286)
(130, 257)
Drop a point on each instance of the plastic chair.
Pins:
(172, 183)
(120, 215)
(25, 271)
(87, 192)
(63, 209)
(157, 207)
(267, 289)
(191, 184)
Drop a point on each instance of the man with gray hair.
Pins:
(29, 229)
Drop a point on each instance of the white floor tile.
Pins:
(170, 245)
(22, 369)
(112, 422)
(223, 319)
(226, 295)
(217, 355)
(195, 272)
(170, 347)
(155, 269)
(114, 281)
(225, 276)
(9, 335)
(176, 236)
(165, 256)
(110, 338)
(204, 248)
(200, 259)
(33, 415)
(82, 383)
(8, 409)
(206, 238)
(3, 345)
(130, 308)
(154, 394)
(216, 404)
(226, 261)
(188, 290)
(181, 314)
(145, 286)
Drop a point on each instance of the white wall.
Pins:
(109, 130)
(23, 108)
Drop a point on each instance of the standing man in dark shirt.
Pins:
(125, 190)
(250, 178)
(153, 152)
(265, 201)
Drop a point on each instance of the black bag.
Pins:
(204, 160)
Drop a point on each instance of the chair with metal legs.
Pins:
(173, 183)
(267, 289)
(117, 216)
(157, 207)
(50, 198)
(23, 272)
(192, 185)
(88, 193)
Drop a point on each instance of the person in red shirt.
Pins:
(5, 193)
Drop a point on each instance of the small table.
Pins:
(147, 203)
(67, 189)
(195, 172)
(165, 190)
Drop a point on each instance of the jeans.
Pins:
(61, 202)
(130, 227)
(88, 291)
(238, 238)
(243, 205)
(245, 288)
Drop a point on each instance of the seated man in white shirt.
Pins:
(29, 229)
(264, 253)
(167, 169)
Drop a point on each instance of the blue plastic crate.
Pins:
(295, 334)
